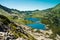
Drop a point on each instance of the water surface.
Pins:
(37, 24)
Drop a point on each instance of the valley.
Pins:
(30, 25)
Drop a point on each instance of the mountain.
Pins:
(8, 24)
(13, 21)
(53, 19)
(57, 7)
(5, 8)
(56, 10)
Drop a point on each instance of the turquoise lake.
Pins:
(36, 25)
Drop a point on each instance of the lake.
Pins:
(36, 25)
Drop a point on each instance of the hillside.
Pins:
(13, 21)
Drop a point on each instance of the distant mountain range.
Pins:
(56, 8)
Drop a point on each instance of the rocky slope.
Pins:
(24, 32)
(12, 21)
(11, 27)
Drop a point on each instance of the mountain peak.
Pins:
(58, 4)
(5, 8)
(57, 7)
(1, 6)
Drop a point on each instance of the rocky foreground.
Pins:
(42, 34)
(23, 32)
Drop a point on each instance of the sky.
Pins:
(23, 5)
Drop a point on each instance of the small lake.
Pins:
(36, 25)
(32, 19)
